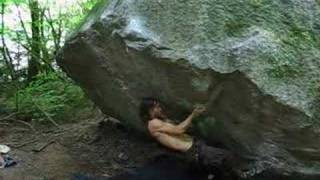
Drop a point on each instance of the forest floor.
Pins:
(96, 146)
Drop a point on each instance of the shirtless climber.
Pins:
(174, 137)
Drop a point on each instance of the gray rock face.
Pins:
(263, 54)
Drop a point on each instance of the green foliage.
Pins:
(49, 96)
(13, 1)
(55, 21)
(73, 18)
(4, 87)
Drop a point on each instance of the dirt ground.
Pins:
(95, 146)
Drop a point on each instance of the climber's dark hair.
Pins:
(146, 104)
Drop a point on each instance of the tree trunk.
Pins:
(46, 58)
(34, 61)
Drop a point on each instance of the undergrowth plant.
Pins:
(50, 98)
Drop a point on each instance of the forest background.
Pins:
(33, 88)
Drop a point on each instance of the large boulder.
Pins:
(262, 55)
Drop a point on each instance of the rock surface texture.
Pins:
(263, 54)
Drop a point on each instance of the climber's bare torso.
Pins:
(174, 137)
(169, 135)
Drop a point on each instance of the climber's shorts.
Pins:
(208, 156)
